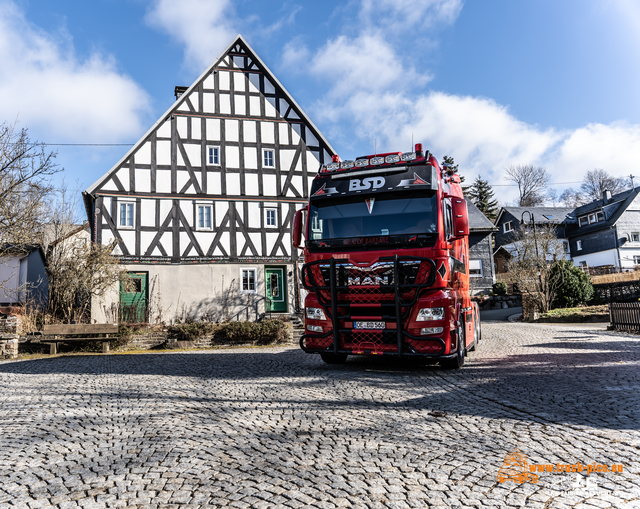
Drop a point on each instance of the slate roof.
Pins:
(542, 215)
(477, 220)
(616, 205)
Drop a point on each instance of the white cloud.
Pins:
(405, 13)
(44, 85)
(375, 93)
(205, 27)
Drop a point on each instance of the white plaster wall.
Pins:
(199, 289)
(609, 257)
(9, 278)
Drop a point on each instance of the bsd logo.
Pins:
(368, 183)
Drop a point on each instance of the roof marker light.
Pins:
(362, 162)
(392, 158)
(333, 166)
(408, 156)
(376, 160)
(345, 165)
(335, 158)
(419, 149)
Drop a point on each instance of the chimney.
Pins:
(606, 196)
(178, 91)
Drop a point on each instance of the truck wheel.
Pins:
(334, 358)
(458, 361)
(476, 333)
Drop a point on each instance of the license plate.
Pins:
(369, 325)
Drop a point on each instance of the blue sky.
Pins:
(493, 83)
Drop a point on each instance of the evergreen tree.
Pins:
(454, 166)
(481, 194)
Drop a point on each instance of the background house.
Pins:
(22, 275)
(606, 232)
(509, 224)
(481, 265)
(200, 209)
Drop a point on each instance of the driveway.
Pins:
(274, 427)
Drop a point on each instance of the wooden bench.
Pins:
(69, 334)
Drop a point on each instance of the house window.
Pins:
(475, 268)
(579, 245)
(508, 226)
(248, 280)
(127, 211)
(592, 218)
(636, 260)
(565, 247)
(583, 264)
(600, 216)
(214, 156)
(270, 217)
(203, 217)
(583, 220)
(635, 237)
(268, 158)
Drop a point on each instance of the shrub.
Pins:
(262, 333)
(190, 331)
(573, 286)
(499, 288)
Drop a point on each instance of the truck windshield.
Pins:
(363, 216)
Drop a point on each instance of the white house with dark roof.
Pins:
(200, 209)
(602, 233)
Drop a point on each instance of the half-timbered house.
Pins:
(200, 209)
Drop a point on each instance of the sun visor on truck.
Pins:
(419, 177)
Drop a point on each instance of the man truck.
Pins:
(386, 251)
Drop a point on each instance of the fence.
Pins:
(626, 291)
(625, 315)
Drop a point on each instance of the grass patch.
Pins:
(579, 314)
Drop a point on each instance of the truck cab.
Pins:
(386, 253)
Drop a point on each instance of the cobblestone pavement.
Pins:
(274, 427)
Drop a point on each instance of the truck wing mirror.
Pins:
(298, 221)
(460, 217)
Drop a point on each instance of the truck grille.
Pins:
(375, 283)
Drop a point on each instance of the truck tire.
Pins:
(476, 333)
(458, 361)
(334, 358)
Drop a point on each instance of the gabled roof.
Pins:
(239, 40)
(20, 249)
(613, 209)
(542, 215)
(477, 220)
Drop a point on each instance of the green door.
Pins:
(275, 284)
(133, 298)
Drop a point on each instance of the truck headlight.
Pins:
(315, 314)
(427, 314)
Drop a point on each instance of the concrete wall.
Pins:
(200, 290)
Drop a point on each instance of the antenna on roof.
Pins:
(375, 146)
(411, 147)
(632, 186)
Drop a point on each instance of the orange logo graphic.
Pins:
(514, 468)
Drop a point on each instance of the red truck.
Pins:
(387, 261)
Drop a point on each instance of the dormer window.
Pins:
(635, 237)
(508, 227)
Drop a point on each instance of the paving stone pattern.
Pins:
(274, 427)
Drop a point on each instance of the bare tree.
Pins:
(78, 270)
(532, 183)
(572, 198)
(534, 253)
(597, 181)
(25, 169)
